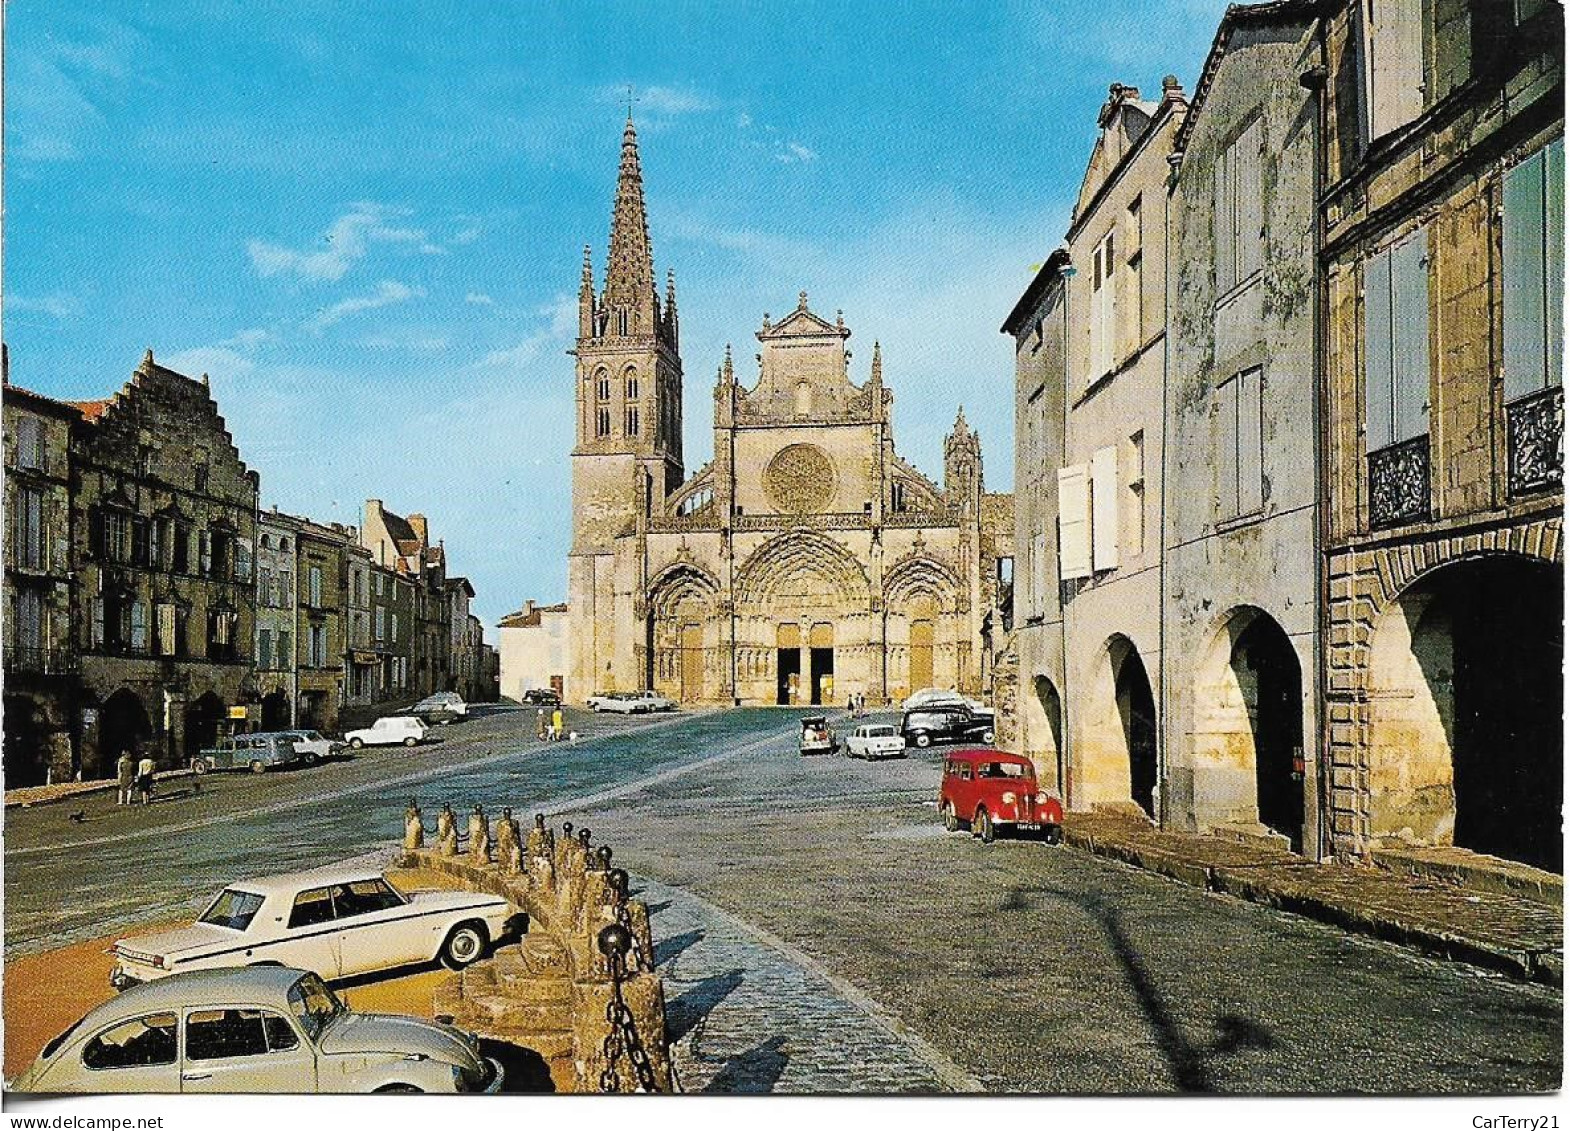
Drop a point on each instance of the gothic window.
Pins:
(603, 386)
(621, 321)
(897, 497)
(602, 422)
(632, 420)
(632, 384)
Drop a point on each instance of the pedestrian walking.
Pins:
(144, 779)
(539, 724)
(125, 771)
(556, 725)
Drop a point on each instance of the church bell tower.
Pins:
(626, 454)
(628, 374)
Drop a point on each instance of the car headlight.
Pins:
(1041, 799)
(1009, 797)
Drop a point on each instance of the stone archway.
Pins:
(1466, 706)
(683, 637)
(275, 711)
(202, 718)
(1247, 755)
(123, 727)
(1115, 763)
(26, 754)
(1044, 730)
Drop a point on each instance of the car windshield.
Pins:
(233, 908)
(1000, 770)
(314, 1004)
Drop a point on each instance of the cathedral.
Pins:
(806, 562)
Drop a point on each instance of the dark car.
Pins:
(541, 697)
(943, 722)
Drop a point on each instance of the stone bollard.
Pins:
(447, 831)
(509, 854)
(561, 846)
(479, 836)
(413, 827)
(540, 840)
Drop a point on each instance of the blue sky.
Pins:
(366, 220)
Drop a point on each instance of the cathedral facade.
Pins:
(806, 562)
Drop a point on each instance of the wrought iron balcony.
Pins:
(44, 661)
(1536, 429)
(1398, 483)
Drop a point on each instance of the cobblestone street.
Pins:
(821, 933)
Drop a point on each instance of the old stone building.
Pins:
(277, 612)
(162, 545)
(40, 664)
(1092, 326)
(404, 546)
(807, 561)
(1442, 262)
(533, 651)
(1240, 532)
(361, 665)
(321, 600)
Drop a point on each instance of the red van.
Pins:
(992, 789)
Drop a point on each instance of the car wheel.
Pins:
(199, 766)
(465, 943)
(923, 739)
(411, 741)
(310, 758)
(258, 767)
(982, 826)
(398, 1089)
(950, 821)
(989, 736)
(356, 744)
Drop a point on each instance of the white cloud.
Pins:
(59, 306)
(479, 298)
(466, 236)
(414, 342)
(387, 293)
(216, 360)
(794, 151)
(247, 339)
(348, 240)
(558, 326)
(743, 120)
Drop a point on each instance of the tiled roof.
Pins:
(90, 410)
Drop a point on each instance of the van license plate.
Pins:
(1029, 826)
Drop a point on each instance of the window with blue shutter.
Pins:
(1533, 250)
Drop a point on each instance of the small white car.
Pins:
(389, 730)
(314, 746)
(258, 1030)
(652, 701)
(875, 740)
(627, 702)
(335, 921)
(443, 707)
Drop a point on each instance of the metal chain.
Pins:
(624, 920)
(623, 1039)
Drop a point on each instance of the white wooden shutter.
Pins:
(1038, 575)
(1224, 224)
(1073, 522)
(1226, 450)
(1377, 379)
(1104, 508)
(1409, 335)
(1250, 449)
(1394, 35)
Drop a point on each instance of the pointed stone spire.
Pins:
(586, 297)
(877, 362)
(629, 274)
(147, 358)
(728, 372)
(672, 331)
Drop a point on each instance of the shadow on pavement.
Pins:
(692, 1005)
(667, 949)
(524, 1070)
(753, 1072)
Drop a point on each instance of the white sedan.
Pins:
(334, 921)
(875, 740)
(389, 730)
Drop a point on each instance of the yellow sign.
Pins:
(237, 712)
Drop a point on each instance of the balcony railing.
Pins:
(1536, 428)
(1398, 483)
(44, 661)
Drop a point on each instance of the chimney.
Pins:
(421, 531)
(528, 607)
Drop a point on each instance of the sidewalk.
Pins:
(1519, 936)
(64, 791)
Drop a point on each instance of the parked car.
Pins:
(630, 702)
(265, 1029)
(541, 697)
(443, 707)
(259, 752)
(945, 723)
(647, 700)
(817, 737)
(314, 746)
(597, 701)
(989, 790)
(389, 730)
(335, 921)
(875, 740)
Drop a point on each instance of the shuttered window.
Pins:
(166, 631)
(1395, 330)
(1393, 63)
(1534, 268)
(1074, 522)
(1103, 308)
(1239, 210)
(1240, 479)
(1104, 509)
(1038, 575)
